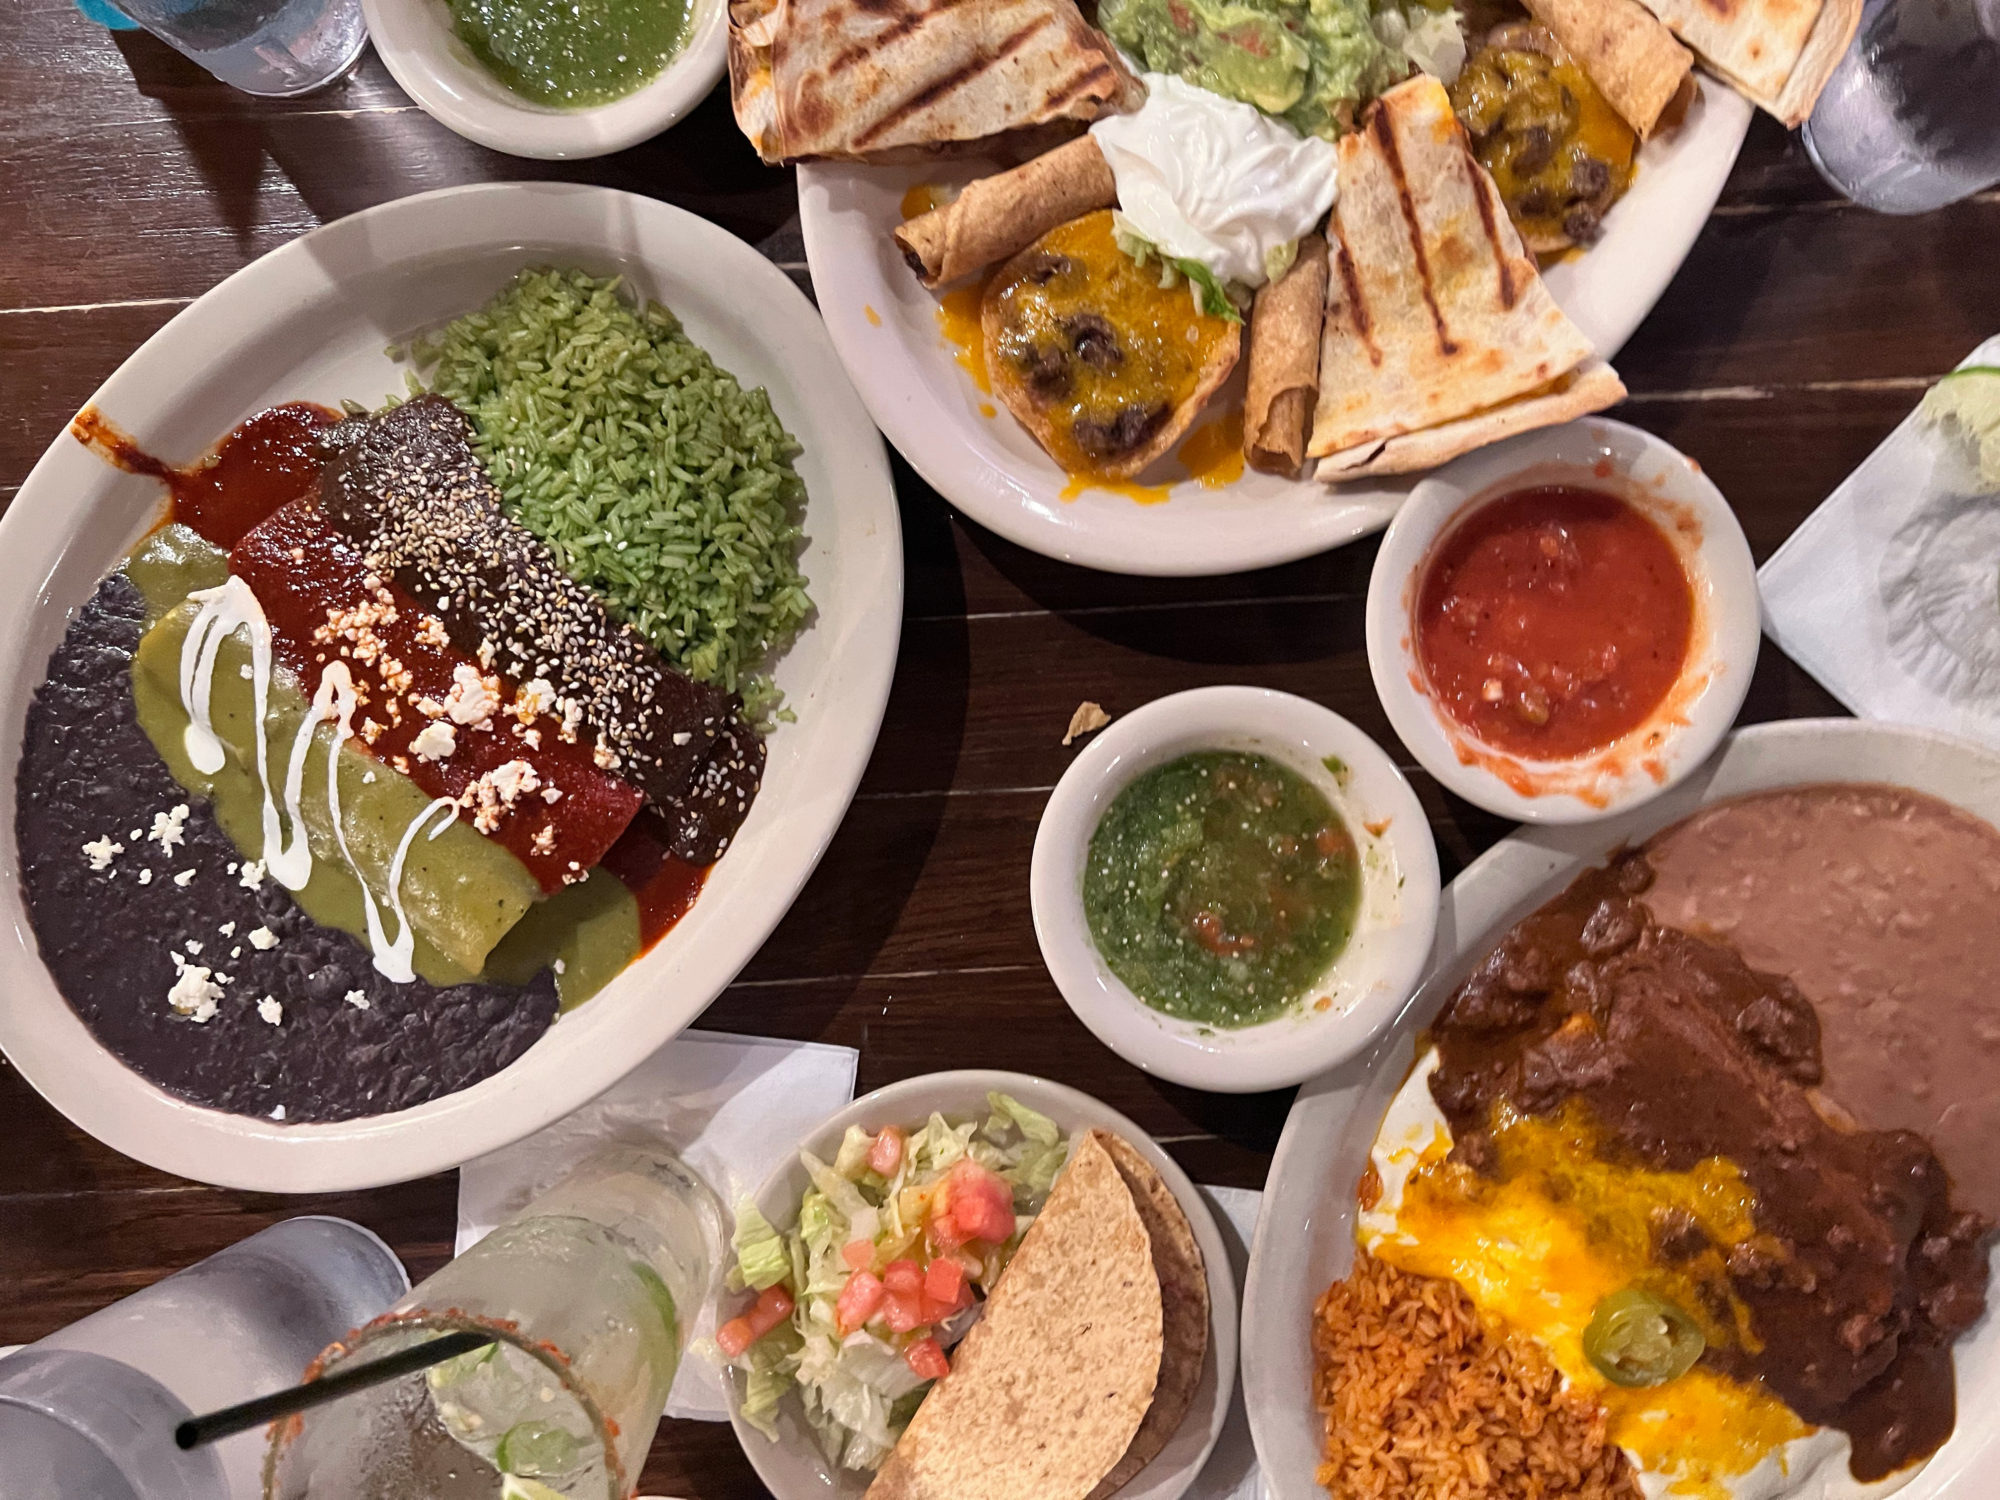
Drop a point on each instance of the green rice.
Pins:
(653, 476)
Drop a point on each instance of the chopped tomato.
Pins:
(887, 1153)
(1251, 40)
(734, 1337)
(927, 1360)
(773, 1306)
(904, 1276)
(979, 1205)
(859, 1254)
(1181, 17)
(904, 1311)
(858, 1301)
(944, 1280)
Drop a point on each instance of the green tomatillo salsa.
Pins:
(1221, 887)
(571, 54)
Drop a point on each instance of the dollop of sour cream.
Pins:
(1209, 179)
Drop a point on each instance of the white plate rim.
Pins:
(1320, 1152)
(669, 986)
(1002, 481)
(1074, 1110)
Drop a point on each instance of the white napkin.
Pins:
(733, 1107)
(1889, 594)
(1231, 1472)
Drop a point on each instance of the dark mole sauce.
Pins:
(271, 459)
(1862, 1271)
(277, 457)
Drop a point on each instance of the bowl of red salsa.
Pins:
(1564, 625)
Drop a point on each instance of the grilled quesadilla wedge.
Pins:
(886, 80)
(1102, 364)
(1777, 53)
(1435, 311)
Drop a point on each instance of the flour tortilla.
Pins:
(1184, 1312)
(1048, 1390)
(1285, 331)
(999, 216)
(886, 80)
(1590, 387)
(1435, 311)
(1776, 53)
(1633, 59)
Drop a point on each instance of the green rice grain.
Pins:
(652, 475)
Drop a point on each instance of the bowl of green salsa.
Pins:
(1234, 889)
(553, 79)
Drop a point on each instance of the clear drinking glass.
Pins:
(589, 1293)
(101, 1397)
(276, 48)
(1910, 120)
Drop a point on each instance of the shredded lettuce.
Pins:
(858, 1392)
(761, 1258)
(1211, 294)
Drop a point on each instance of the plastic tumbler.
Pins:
(588, 1292)
(276, 48)
(97, 1402)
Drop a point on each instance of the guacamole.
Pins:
(1306, 61)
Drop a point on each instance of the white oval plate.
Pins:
(1305, 1234)
(1376, 970)
(793, 1468)
(885, 326)
(435, 68)
(311, 321)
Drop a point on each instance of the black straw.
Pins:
(234, 1419)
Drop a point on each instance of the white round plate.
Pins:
(435, 68)
(885, 325)
(1375, 972)
(793, 1468)
(1305, 1233)
(311, 321)
(1671, 490)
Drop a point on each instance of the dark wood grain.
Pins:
(1799, 332)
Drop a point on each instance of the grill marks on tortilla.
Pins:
(1351, 298)
(907, 23)
(1488, 221)
(1383, 130)
(951, 82)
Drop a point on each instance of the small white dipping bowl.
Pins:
(454, 88)
(794, 1468)
(1666, 486)
(1374, 973)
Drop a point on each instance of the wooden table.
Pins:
(1799, 332)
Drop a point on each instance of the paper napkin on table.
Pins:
(1231, 1472)
(733, 1107)
(1889, 594)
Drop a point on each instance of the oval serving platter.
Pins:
(313, 321)
(1305, 1238)
(884, 323)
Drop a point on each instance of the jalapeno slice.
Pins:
(1636, 1339)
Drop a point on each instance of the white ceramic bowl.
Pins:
(1667, 486)
(793, 1468)
(437, 70)
(1374, 973)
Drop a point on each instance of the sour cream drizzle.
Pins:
(288, 858)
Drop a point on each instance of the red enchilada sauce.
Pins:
(1553, 621)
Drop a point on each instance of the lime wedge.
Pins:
(535, 1448)
(514, 1487)
(1969, 401)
